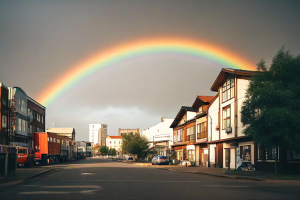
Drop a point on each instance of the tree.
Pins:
(104, 149)
(113, 151)
(271, 111)
(135, 144)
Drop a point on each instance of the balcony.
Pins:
(191, 138)
(201, 135)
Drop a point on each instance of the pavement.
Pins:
(219, 172)
(105, 179)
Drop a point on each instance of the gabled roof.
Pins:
(200, 100)
(224, 74)
(180, 114)
(114, 137)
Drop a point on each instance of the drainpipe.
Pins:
(207, 140)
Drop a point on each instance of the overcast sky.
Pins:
(41, 40)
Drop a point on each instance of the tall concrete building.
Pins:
(98, 134)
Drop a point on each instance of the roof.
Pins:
(225, 72)
(180, 114)
(200, 100)
(61, 130)
(114, 137)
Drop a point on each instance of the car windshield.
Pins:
(22, 151)
(162, 157)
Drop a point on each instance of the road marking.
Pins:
(146, 181)
(227, 186)
(60, 192)
(73, 186)
(88, 173)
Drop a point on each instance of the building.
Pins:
(126, 131)
(200, 146)
(229, 147)
(184, 133)
(98, 134)
(160, 136)
(4, 115)
(114, 142)
(36, 114)
(18, 118)
(68, 132)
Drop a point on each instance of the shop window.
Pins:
(245, 153)
(267, 153)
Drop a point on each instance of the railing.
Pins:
(202, 135)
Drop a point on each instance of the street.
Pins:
(95, 178)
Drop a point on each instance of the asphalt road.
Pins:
(104, 179)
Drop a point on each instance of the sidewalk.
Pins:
(221, 172)
(24, 174)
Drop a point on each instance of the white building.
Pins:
(114, 142)
(228, 145)
(97, 134)
(161, 135)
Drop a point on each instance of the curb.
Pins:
(7, 186)
(215, 175)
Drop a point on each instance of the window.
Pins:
(200, 110)
(228, 89)
(226, 117)
(58, 140)
(4, 121)
(201, 130)
(38, 117)
(23, 106)
(190, 134)
(19, 124)
(267, 153)
(175, 136)
(51, 139)
(115, 142)
(179, 135)
(4, 102)
(42, 119)
(54, 140)
(245, 153)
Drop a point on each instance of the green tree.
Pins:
(135, 144)
(104, 149)
(113, 151)
(271, 111)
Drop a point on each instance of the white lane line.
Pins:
(73, 186)
(88, 173)
(146, 181)
(60, 192)
(227, 186)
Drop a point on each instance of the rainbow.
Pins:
(139, 48)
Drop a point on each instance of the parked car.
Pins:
(160, 160)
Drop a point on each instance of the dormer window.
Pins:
(228, 89)
(200, 110)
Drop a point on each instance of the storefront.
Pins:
(190, 153)
(180, 152)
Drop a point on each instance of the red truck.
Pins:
(25, 157)
(48, 148)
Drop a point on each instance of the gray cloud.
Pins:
(41, 40)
